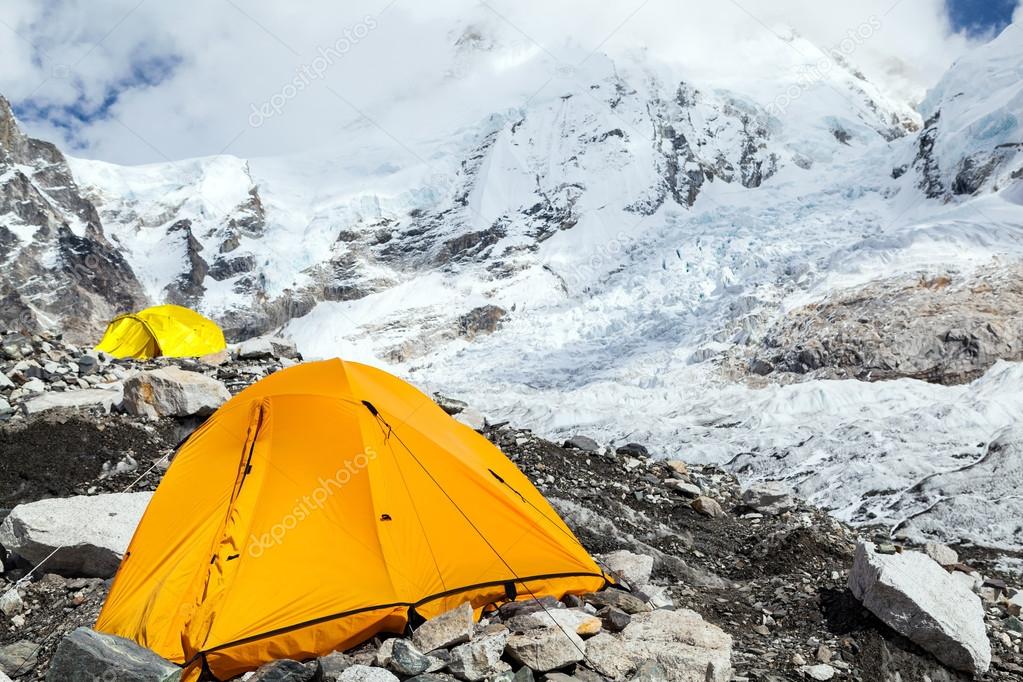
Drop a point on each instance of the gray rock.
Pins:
(707, 506)
(613, 619)
(285, 670)
(365, 673)
(917, 598)
(92, 531)
(334, 664)
(263, 347)
(582, 443)
(11, 603)
(769, 497)
(100, 398)
(432, 677)
(633, 450)
(635, 568)
(519, 608)
(821, 672)
(480, 658)
(574, 620)
(686, 647)
(617, 598)
(173, 392)
(19, 657)
(406, 659)
(89, 655)
(943, 554)
(446, 630)
(688, 489)
(472, 418)
(650, 671)
(546, 649)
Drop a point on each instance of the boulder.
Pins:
(519, 608)
(650, 671)
(943, 554)
(546, 649)
(633, 450)
(707, 506)
(582, 443)
(88, 655)
(93, 531)
(635, 568)
(769, 497)
(686, 647)
(365, 673)
(917, 598)
(100, 398)
(480, 658)
(173, 392)
(446, 630)
(285, 670)
(19, 657)
(263, 347)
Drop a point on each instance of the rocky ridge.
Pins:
(716, 581)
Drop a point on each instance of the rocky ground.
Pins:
(946, 328)
(769, 575)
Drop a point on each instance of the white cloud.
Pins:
(155, 80)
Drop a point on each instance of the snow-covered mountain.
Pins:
(720, 266)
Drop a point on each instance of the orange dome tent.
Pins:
(325, 504)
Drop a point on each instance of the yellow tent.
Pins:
(322, 505)
(168, 330)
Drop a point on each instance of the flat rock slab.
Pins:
(687, 648)
(919, 599)
(93, 532)
(101, 398)
(89, 655)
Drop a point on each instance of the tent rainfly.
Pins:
(321, 506)
(167, 330)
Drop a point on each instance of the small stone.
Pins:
(582, 443)
(11, 603)
(798, 659)
(679, 467)
(707, 506)
(824, 654)
(762, 630)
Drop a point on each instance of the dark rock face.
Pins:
(947, 329)
(59, 269)
(483, 320)
(188, 288)
(926, 162)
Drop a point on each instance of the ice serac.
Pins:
(917, 598)
(58, 270)
(972, 140)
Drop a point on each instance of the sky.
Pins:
(140, 81)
